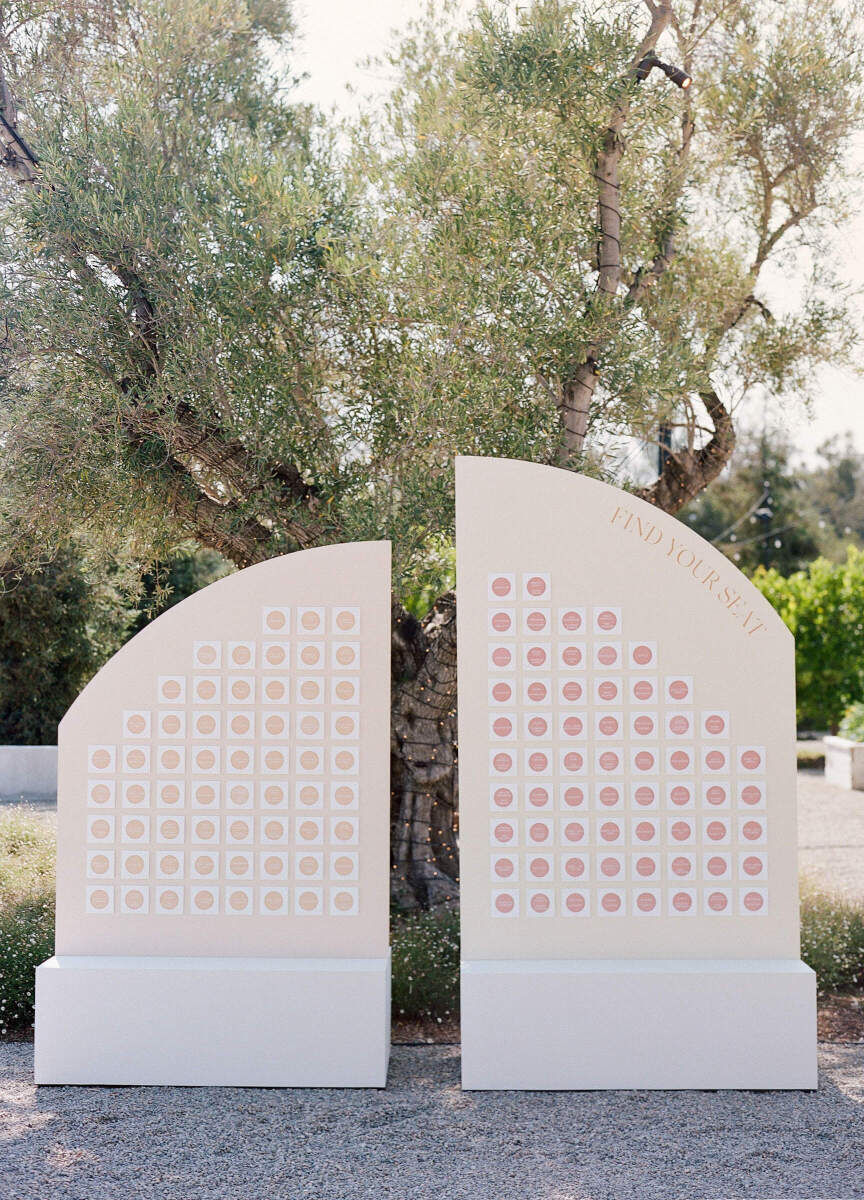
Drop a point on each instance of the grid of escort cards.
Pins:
(238, 792)
(611, 791)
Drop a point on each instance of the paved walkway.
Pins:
(831, 834)
(423, 1139)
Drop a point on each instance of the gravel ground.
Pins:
(423, 1138)
(831, 834)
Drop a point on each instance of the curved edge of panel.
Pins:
(627, 725)
(634, 516)
(224, 779)
(162, 625)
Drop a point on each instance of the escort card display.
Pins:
(627, 798)
(222, 911)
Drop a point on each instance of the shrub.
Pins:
(26, 912)
(812, 757)
(425, 949)
(824, 608)
(57, 627)
(832, 938)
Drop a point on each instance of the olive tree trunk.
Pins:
(423, 781)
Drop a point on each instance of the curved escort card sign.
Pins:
(222, 906)
(627, 797)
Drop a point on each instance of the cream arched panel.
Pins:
(223, 839)
(627, 726)
(223, 779)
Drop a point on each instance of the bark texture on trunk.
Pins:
(577, 392)
(16, 157)
(687, 472)
(423, 781)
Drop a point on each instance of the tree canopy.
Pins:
(220, 322)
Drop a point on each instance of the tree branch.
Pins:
(189, 441)
(243, 540)
(18, 159)
(687, 472)
(229, 476)
(577, 393)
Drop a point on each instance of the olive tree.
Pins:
(222, 323)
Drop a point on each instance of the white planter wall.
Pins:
(844, 763)
(28, 769)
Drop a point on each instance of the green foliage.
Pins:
(832, 938)
(26, 911)
(167, 583)
(554, 57)
(60, 623)
(824, 608)
(425, 948)
(438, 573)
(57, 627)
(189, 245)
(810, 757)
(834, 490)
(852, 725)
(484, 180)
(759, 514)
(484, 176)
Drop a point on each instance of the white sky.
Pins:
(336, 35)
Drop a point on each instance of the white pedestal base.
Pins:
(638, 1024)
(244, 1022)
